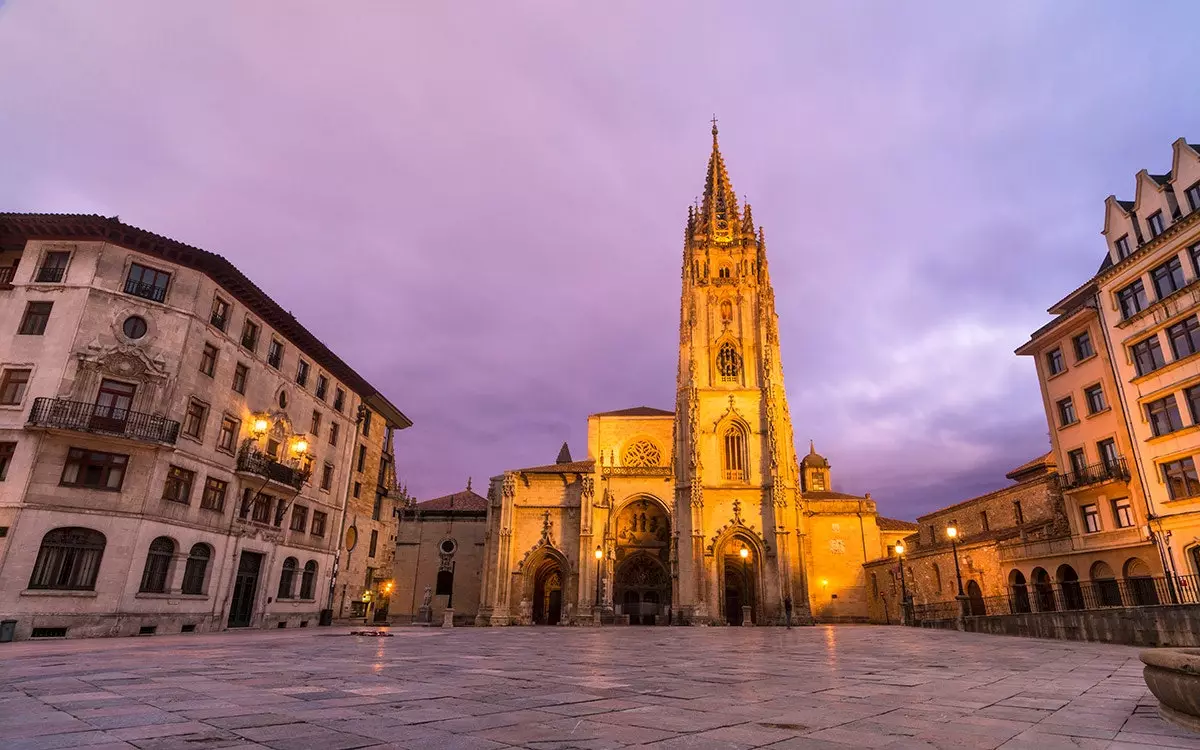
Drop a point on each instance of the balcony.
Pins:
(57, 413)
(1035, 548)
(264, 465)
(152, 292)
(1110, 471)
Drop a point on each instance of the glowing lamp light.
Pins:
(261, 425)
(899, 549)
(300, 445)
(744, 553)
(951, 532)
(599, 553)
(824, 582)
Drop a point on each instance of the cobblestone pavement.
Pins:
(823, 687)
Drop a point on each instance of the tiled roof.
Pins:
(1161, 179)
(892, 524)
(1043, 461)
(466, 500)
(18, 227)
(831, 496)
(575, 467)
(636, 411)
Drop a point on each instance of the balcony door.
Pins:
(112, 406)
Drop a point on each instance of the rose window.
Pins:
(642, 453)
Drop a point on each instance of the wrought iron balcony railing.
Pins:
(50, 274)
(151, 292)
(1105, 471)
(264, 465)
(103, 420)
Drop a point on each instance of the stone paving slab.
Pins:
(817, 688)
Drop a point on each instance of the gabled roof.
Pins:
(1161, 179)
(575, 467)
(18, 227)
(636, 411)
(1042, 462)
(467, 500)
(893, 524)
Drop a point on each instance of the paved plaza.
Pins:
(822, 687)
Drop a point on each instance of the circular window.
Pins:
(283, 399)
(351, 537)
(134, 327)
(448, 546)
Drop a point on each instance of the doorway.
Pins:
(245, 585)
(112, 406)
(645, 588)
(547, 594)
(740, 573)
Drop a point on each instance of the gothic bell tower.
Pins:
(737, 479)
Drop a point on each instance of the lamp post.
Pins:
(599, 557)
(904, 619)
(745, 553)
(952, 532)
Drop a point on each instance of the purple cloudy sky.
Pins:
(480, 205)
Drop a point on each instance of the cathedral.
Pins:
(701, 515)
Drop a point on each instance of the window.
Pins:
(1132, 299)
(220, 314)
(214, 494)
(357, 489)
(147, 283)
(302, 373)
(339, 398)
(315, 430)
(1155, 220)
(362, 458)
(1054, 361)
(134, 327)
(729, 364)
(322, 386)
(1184, 337)
(308, 580)
(299, 518)
(1083, 346)
(194, 418)
(250, 334)
(327, 477)
(318, 523)
(1147, 355)
(208, 360)
(283, 399)
(287, 578)
(1180, 477)
(1018, 515)
(1122, 245)
(12, 386)
(68, 559)
(280, 512)
(1095, 399)
(1123, 513)
(228, 434)
(37, 315)
(374, 542)
(932, 535)
(1167, 278)
(1192, 396)
(377, 510)
(1193, 196)
(1091, 518)
(275, 353)
(178, 488)
(723, 272)
(818, 481)
(158, 562)
(1066, 412)
(95, 469)
(735, 453)
(1077, 460)
(333, 433)
(445, 583)
(983, 519)
(6, 453)
(1108, 452)
(53, 268)
(194, 571)
(260, 511)
(366, 429)
(240, 373)
(1163, 415)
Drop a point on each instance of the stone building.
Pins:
(175, 448)
(697, 515)
(439, 547)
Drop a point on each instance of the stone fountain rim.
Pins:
(1185, 660)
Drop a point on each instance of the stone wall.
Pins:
(1175, 625)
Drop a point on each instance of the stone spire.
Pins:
(719, 208)
(564, 455)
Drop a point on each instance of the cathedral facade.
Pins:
(700, 515)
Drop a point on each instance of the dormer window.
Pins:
(1193, 196)
(1155, 221)
(1122, 245)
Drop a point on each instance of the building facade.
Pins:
(176, 448)
(698, 515)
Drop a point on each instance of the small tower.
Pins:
(815, 471)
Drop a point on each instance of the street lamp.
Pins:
(952, 532)
(903, 585)
(745, 553)
(599, 557)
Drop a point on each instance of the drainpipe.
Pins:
(352, 443)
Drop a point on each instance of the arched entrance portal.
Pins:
(739, 561)
(642, 579)
(547, 593)
(644, 588)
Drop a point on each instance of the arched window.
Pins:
(69, 558)
(729, 363)
(197, 567)
(1068, 586)
(1141, 583)
(308, 581)
(1104, 582)
(724, 272)
(735, 453)
(158, 563)
(1020, 592)
(445, 583)
(642, 453)
(937, 578)
(287, 578)
(1044, 590)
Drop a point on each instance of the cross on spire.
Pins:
(714, 123)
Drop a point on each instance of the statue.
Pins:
(526, 611)
(425, 613)
(427, 597)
